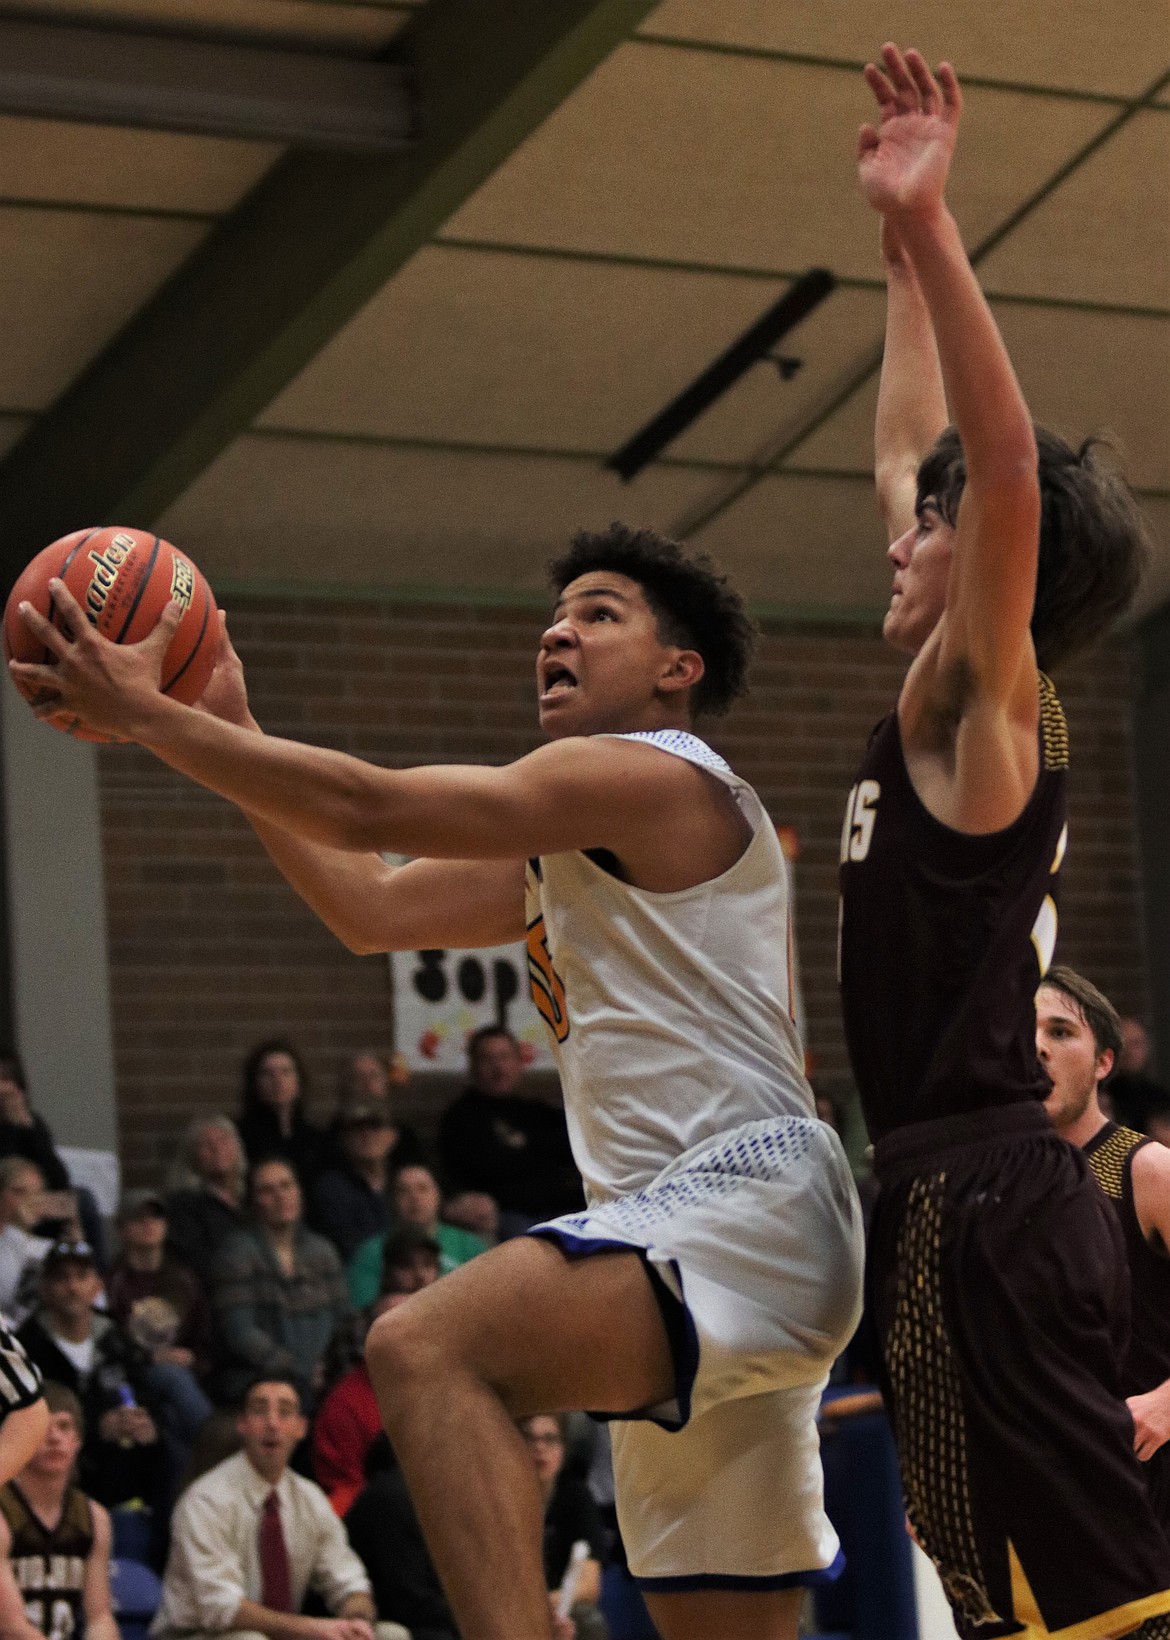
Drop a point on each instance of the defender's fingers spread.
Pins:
(951, 92)
(928, 91)
(880, 86)
(895, 65)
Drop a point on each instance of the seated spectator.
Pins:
(367, 1078)
(348, 1419)
(250, 1538)
(570, 1517)
(495, 1140)
(54, 1541)
(384, 1531)
(272, 1113)
(1132, 1094)
(351, 1202)
(22, 1190)
(78, 1346)
(207, 1205)
(278, 1290)
(164, 1311)
(415, 1202)
(24, 1133)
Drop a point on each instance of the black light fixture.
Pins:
(796, 304)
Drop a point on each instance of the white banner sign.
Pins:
(440, 997)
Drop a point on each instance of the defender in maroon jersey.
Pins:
(1078, 1039)
(997, 1274)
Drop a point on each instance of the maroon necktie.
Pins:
(275, 1577)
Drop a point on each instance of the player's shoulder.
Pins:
(662, 757)
(1151, 1167)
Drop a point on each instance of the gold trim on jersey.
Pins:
(1110, 1625)
(1108, 1160)
(1053, 726)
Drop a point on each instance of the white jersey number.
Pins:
(857, 832)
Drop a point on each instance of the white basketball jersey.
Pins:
(671, 1014)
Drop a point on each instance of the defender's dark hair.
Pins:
(696, 606)
(1094, 542)
(1094, 1007)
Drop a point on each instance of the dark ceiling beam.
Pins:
(125, 77)
(278, 277)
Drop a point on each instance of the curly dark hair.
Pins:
(694, 603)
(1094, 542)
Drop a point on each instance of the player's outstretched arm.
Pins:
(572, 794)
(1151, 1200)
(912, 404)
(370, 905)
(903, 164)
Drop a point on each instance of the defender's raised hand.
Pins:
(903, 161)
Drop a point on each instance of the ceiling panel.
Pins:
(1104, 235)
(110, 165)
(496, 348)
(1073, 43)
(68, 282)
(1082, 373)
(328, 24)
(288, 510)
(813, 544)
(718, 159)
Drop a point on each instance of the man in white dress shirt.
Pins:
(250, 1537)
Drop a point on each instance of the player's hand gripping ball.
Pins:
(123, 579)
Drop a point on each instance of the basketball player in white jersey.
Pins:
(705, 1290)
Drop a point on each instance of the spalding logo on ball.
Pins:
(123, 579)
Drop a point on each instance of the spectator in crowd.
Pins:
(24, 1133)
(76, 1345)
(272, 1114)
(161, 1305)
(348, 1419)
(384, 1531)
(368, 1077)
(351, 1202)
(55, 1541)
(22, 1189)
(250, 1538)
(1132, 1095)
(278, 1289)
(570, 1517)
(494, 1140)
(415, 1202)
(207, 1205)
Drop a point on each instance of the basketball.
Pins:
(123, 579)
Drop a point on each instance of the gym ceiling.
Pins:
(359, 298)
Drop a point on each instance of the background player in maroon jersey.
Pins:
(1078, 1040)
(996, 1270)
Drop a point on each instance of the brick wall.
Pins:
(210, 951)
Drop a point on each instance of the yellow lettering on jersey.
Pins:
(1044, 934)
(548, 993)
(857, 833)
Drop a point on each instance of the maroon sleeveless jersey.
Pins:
(944, 938)
(1110, 1154)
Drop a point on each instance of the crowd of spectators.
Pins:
(232, 1318)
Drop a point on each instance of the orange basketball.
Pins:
(123, 579)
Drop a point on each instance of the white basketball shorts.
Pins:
(757, 1237)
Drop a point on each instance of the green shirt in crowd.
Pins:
(365, 1267)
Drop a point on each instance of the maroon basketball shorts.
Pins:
(999, 1286)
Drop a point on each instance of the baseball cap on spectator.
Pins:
(136, 1204)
